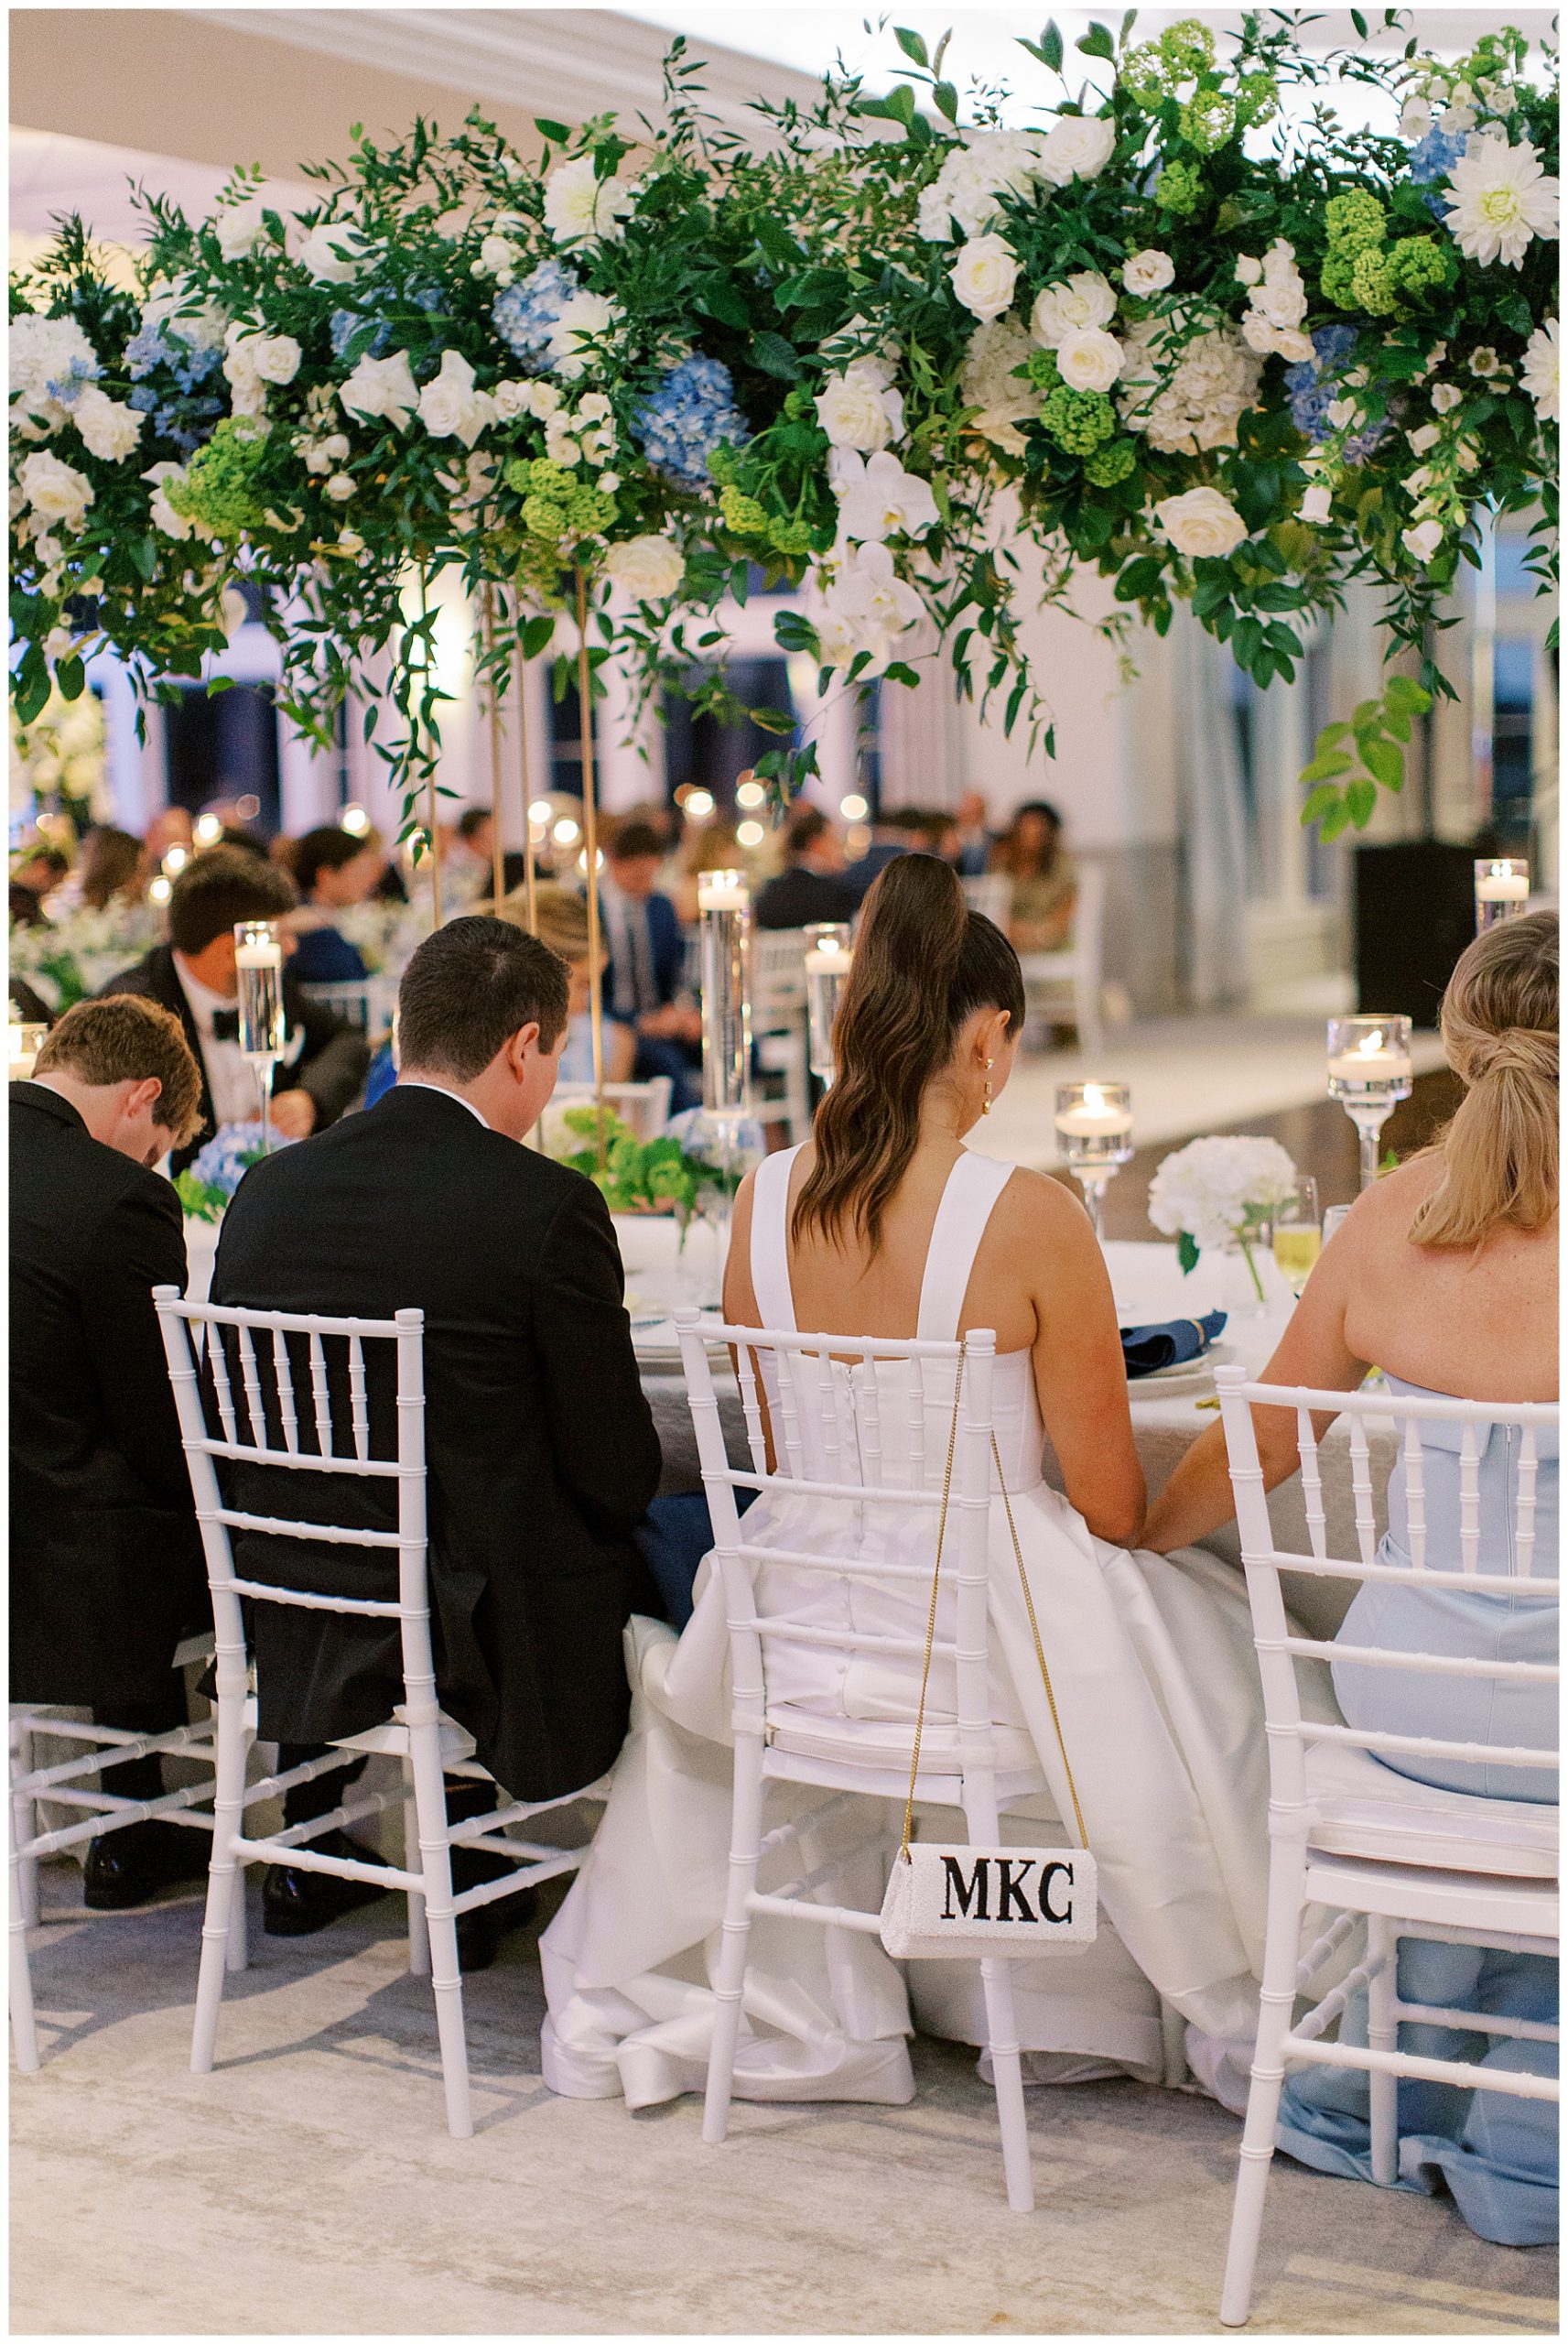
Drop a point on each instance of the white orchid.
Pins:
(878, 499)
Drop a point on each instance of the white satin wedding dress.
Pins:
(1157, 1687)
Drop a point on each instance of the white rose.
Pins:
(496, 252)
(582, 320)
(341, 486)
(450, 407)
(336, 447)
(1148, 272)
(983, 275)
(56, 492)
(1283, 303)
(578, 204)
(1201, 523)
(511, 398)
(1084, 300)
(381, 387)
(1249, 269)
(561, 445)
(1317, 504)
(110, 430)
(1446, 397)
(322, 254)
(1424, 539)
(594, 408)
(856, 410)
(160, 511)
(649, 568)
(540, 400)
(240, 227)
(278, 357)
(1089, 359)
(1075, 147)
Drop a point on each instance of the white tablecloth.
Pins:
(1167, 1417)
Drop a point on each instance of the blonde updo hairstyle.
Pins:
(1500, 1031)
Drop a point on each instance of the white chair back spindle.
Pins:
(1388, 1850)
(866, 1425)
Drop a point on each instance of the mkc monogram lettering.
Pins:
(973, 1895)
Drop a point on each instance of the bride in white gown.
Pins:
(886, 1225)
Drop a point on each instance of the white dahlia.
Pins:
(1500, 198)
(1542, 373)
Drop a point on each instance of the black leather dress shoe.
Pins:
(296, 1903)
(133, 1866)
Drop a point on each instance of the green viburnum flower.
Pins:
(1143, 76)
(1078, 420)
(742, 514)
(790, 536)
(1180, 189)
(1115, 461)
(1421, 266)
(1042, 370)
(1207, 120)
(542, 518)
(1338, 278)
(589, 510)
(1372, 281)
(219, 487)
(1187, 46)
(1355, 219)
(1257, 100)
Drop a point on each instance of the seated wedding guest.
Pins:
(541, 1449)
(644, 986)
(1044, 882)
(333, 869)
(974, 837)
(899, 832)
(1445, 1273)
(705, 846)
(112, 869)
(885, 1223)
(194, 975)
(35, 872)
(106, 1570)
(170, 826)
(810, 889)
(563, 928)
(467, 869)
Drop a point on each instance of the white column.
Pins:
(308, 780)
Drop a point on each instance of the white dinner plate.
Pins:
(1194, 1375)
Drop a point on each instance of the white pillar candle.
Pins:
(828, 960)
(1372, 1060)
(258, 956)
(1504, 887)
(1095, 1119)
(722, 891)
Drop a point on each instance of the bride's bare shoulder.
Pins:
(1033, 1201)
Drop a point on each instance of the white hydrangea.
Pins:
(1186, 396)
(1542, 373)
(1208, 1189)
(45, 351)
(990, 383)
(169, 310)
(973, 178)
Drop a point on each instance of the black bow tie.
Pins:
(225, 1024)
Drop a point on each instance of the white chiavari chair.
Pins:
(1078, 968)
(869, 1422)
(990, 893)
(779, 1026)
(74, 1783)
(262, 1424)
(1373, 1845)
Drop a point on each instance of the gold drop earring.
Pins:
(985, 1102)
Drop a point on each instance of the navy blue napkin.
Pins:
(1148, 1349)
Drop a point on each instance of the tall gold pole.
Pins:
(590, 850)
(520, 677)
(435, 838)
(497, 694)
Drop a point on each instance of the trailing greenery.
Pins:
(1226, 360)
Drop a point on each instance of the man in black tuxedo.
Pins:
(193, 975)
(541, 1449)
(811, 888)
(107, 1572)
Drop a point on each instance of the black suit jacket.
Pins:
(331, 1067)
(803, 898)
(540, 1445)
(107, 1572)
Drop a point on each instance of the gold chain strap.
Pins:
(931, 1621)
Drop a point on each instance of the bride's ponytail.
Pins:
(923, 963)
(1500, 1030)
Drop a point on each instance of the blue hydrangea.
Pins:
(67, 388)
(150, 347)
(346, 323)
(1312, 383)
(525, 314)
(692, 412)
(229, 1154)
(1433, 159)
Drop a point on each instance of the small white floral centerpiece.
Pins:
(1220, 1193)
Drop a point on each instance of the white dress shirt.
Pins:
(408, 1082)
(231, 1079)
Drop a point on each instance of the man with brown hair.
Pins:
(193, 974)
(106, 1572)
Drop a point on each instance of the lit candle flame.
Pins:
(1370, 1044)
(1094, 1098)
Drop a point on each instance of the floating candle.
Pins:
(722, 891)
(1377, 1057)
(1094, 1117)
(1501, 886)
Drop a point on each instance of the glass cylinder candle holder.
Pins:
(1094, 1132)
(827, 959)
(24, 1043)
(1369, 1071)
(723, 902)
(1502, 889)
(264, 1032)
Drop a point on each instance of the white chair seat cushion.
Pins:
(874, 1741)
(1362, 1807)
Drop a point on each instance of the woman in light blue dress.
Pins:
(1445, 1273)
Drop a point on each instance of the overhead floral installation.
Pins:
(1228, 354)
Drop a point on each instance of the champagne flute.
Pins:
(1298, 1234)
